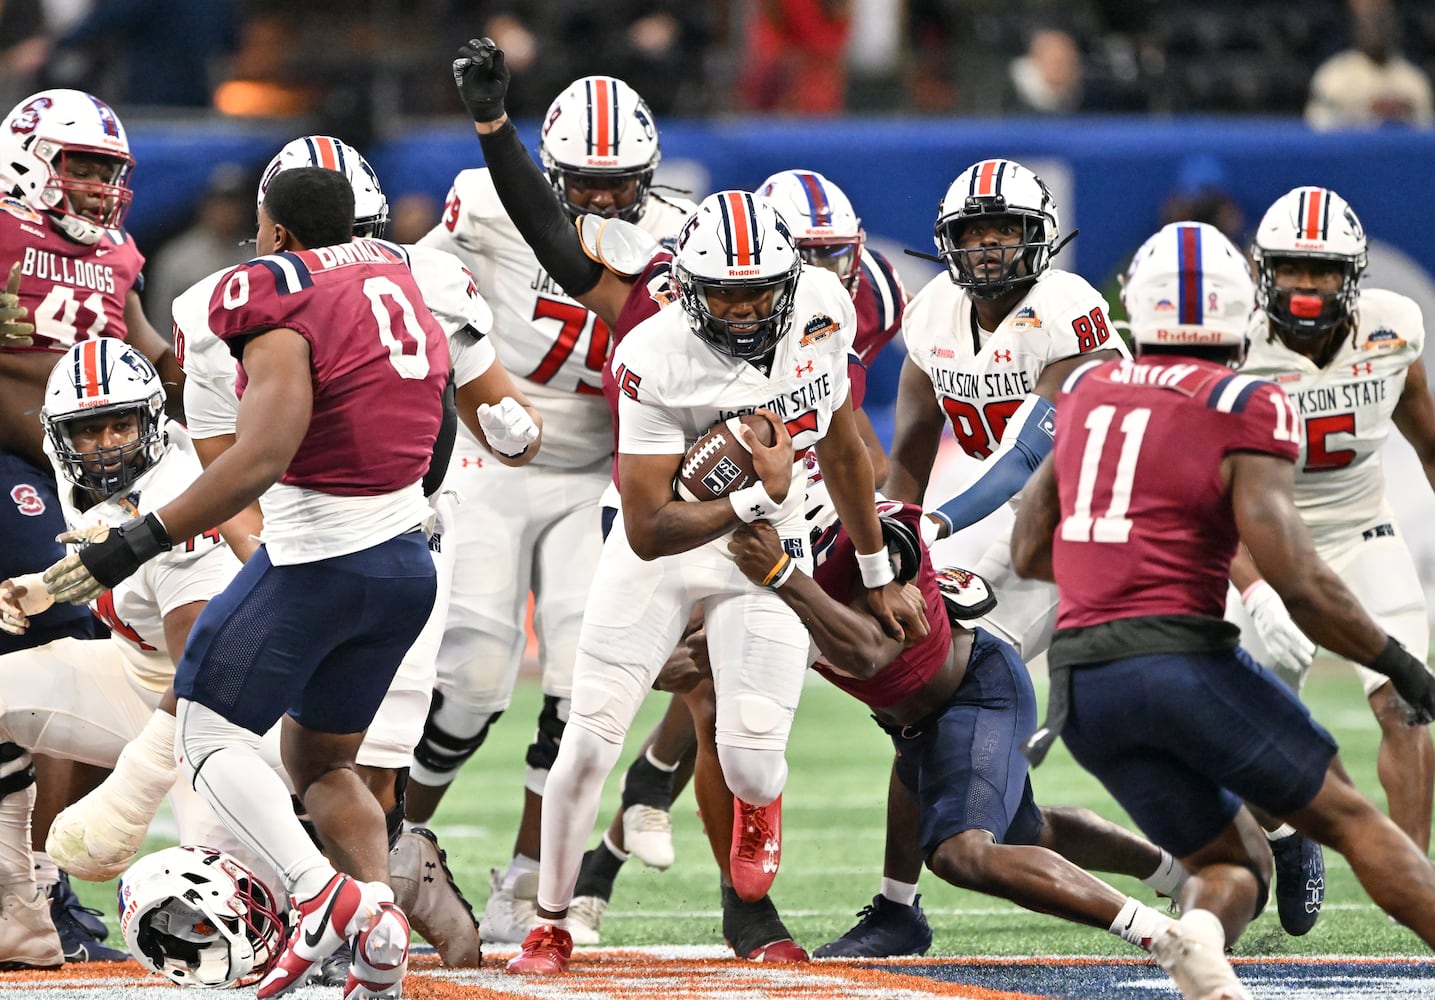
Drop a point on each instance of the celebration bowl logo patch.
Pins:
(819, 327)
(1025, 319)
(1383, 339)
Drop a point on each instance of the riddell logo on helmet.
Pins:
(1189, 336)
(743, 272)
(601, 161)
(1309, 245)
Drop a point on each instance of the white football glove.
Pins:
(1291, 649)
(507, 426)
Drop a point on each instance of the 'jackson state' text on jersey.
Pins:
(839, 576)
(193, 570)
(379, 363)
(1146, 525)
(1345, 408)
(980, 378)
(210, 403)
(672, 386)
(71, 291)
(549, 342)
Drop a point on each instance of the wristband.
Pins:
(784, 576)
(876, 569)
(1246, 594)
(752, 503)
(777, 569)
(125, 549)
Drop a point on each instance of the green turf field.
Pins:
(832, 844)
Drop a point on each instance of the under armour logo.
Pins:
(756, 510)
(804, 369)
(466, 461)
(1001, 355)
(429, 868)
(770, 848)
(1363, 367)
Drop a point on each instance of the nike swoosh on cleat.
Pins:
(312, 940)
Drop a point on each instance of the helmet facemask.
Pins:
(843, 257)
(562, 176)
(109, 183)
(1306, 315)
(107, 471)
(1021, 262)
(744, 338)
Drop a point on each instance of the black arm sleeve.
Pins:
(534, 208)
(443, 444)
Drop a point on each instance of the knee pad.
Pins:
(440, 751)
(543, 751)
(17, 770)
(755, 776)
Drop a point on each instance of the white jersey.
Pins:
(210, 403)
(193, 570)
(981, 378)
(550, 343)
(673, 387)
(1345, 407)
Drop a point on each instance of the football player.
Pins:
(349, 420)
(73, 274)
(988, 344)
(1350, 359)
(536, 529)
(115, 455)
(939, 699)
(212, 407)
(1161, 468)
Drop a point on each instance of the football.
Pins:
(719, 461)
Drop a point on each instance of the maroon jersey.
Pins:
(836, 572)
(72, 291)
(1146, 524)
(880, 302)
(379, 360)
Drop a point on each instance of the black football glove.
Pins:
(482, 79)
(1412, 680)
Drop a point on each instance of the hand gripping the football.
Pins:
(481, 76)
(772, 463)
(507, 427)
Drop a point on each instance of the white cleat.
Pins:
(509, 916)
(585, 914)
(648, 835)
(1193, 953)
(381, 957)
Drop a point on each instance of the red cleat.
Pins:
(756, 847)
(785, 950)
(381, 956)
(325, 921)
(546, 951)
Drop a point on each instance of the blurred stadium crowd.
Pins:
(361, 66)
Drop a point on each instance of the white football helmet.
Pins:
(821, 220)
(734, 242)
(1189, 287)
(1310, 223)
(102, 377)
(40, 134)
(997, 187)
(371, 208)
(600, 128)
(199, 917)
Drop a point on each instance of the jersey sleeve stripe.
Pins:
(290, 273)
(886, 285)
(1081, 372)
(1232, 393)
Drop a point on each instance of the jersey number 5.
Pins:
(1113, 526)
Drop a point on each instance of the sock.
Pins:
(903, 893)
(648, 783)
(47, 873)
(1139, 924)
(669, 768)
(1168, 878)
(17, 866)
(600, 868)
(520, 866)
(1281, 832)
